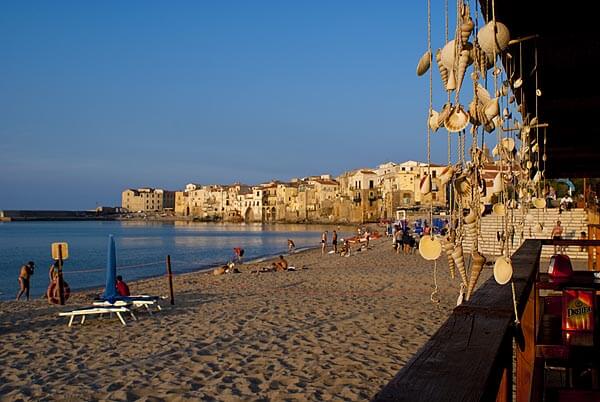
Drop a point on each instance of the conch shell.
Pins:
(424, 63)
(433, 120)
(448, 247)
(477, 262)
(443, 70)
(459, 260)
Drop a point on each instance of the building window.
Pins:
(433, 172)
(371, 183)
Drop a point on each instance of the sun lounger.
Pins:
(97, 310)
(132, 301)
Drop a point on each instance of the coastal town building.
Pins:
(147, 200)
(361, 195)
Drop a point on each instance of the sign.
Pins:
(64, 249)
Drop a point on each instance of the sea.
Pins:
(142, 248)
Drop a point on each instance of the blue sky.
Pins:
(100, 96)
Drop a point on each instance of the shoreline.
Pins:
(338, 330)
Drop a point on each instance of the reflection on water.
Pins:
(141, 247)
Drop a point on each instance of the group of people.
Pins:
(403, 241)
(52, 293)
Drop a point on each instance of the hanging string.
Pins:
(434, 295)
(514, 297)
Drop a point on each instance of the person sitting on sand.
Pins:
(345, 247)
(122, 288)
(291, 246)
(281, 264)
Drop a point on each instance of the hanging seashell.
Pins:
(533, 121)
(508, 144)
(539, 229)
(448, 247)
(457, 121)
(471, 217)
(448, 55)
(517, 84)
(538, 92)
(462, 185)
(477, 263)
(493, 40)
(537, 177)
(482, 94)
(498, 209)
(497, 71)
(464, 60)
(447, 174)
(443, 70)
(425, 185)
(506, 113)
(433, 120)
(511, 100)
(459, 260)
(503, 270)
(492, 109)
(465, 30)
(424, 63)
(539, 203)
(430, 248)
(497, 185)
(451, 84)
(504, 88)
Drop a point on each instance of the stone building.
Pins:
(147, 200)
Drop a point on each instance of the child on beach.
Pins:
(291, 246)
(323, 242)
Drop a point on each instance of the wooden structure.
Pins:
(470, 358)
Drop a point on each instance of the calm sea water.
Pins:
(142, 248)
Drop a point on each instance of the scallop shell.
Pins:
(493, 43)
(492, 108)
(503, 270)
(477, 262)
(482, 94)
(462, 185)
(424, 63)
(430, 248)
(457, 121)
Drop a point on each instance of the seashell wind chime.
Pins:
(485, 113)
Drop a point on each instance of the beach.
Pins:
(337, 328)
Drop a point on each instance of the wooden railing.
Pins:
(470, 358)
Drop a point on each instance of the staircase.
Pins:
(573, 222)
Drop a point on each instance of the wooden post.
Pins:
(61, 286)
(170, 274)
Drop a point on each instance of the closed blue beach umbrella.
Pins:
(110, 291)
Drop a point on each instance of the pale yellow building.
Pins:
(147, 200)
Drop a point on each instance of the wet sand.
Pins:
(338, 328)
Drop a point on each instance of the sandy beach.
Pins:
(338, 328)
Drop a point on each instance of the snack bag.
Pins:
(578, 310)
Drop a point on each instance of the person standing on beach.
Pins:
(24, 279)
(238, 254)
(334, 241)
(557, 235)
(323, 242)
(122, 288)
(291, 246)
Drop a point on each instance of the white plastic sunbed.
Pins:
(98, 310)
(135, 302)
